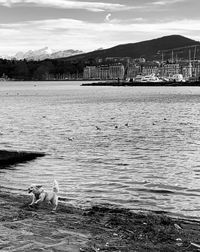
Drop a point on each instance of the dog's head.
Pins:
(35, 189)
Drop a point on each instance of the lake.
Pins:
(136, 147)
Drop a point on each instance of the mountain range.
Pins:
(42, 54)
(150, 49)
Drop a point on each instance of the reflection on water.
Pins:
(136, 147)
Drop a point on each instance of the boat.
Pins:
(147, 78)
(177, 78)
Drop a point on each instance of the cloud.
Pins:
(70, 33)
(66, 4)
(107, 18)
(167, 2)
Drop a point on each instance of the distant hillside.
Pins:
(148, 49)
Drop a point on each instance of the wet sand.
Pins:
(101, 228)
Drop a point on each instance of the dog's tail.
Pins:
(55, 186)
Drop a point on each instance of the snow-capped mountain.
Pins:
(43, 53)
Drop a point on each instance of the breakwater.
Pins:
(143, 84)
(12, 157)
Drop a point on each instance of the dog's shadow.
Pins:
(44, 207)
(27, 207)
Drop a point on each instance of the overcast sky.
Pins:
(91, 24)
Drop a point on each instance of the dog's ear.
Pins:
(38, 186)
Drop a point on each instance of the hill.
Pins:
(148, 49)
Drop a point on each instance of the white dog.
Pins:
(40, 195)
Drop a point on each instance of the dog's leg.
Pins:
(41, 198)
(37, 201)
(33, 200)
(55, 203)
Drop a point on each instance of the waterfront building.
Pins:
(90, 72)
(190, 69)
(120, 71)
(104, 72)
(116, 72)
(196, 69)
(150, 68)
(169, 69)
(186, 69)
(132, 71)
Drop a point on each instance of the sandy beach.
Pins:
(100, 228)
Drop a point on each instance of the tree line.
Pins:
(39, 70)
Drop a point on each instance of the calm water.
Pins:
(154, 163)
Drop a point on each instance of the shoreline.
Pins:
(99, 228)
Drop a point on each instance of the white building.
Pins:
(90, 72)
(104, 72)
(116, 72)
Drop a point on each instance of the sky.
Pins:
(92, 24)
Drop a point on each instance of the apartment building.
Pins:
(104, 72)
(133, 70)
(90, 72)
(150, 68)
(116, 72)
(169, 69)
